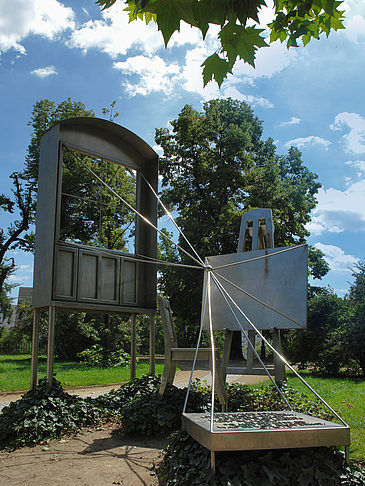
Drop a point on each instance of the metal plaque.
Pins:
(279, 281)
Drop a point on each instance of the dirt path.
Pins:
(98, 457)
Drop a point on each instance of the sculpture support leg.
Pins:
(250, 354)
(212, 460)
(50, 346)
(152, 344)
(35, 346)
(133, 345)
(279, 366)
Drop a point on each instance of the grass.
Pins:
(15, 372)
(347, 397)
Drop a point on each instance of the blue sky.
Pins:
(311, 97)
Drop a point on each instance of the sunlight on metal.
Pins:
(139, 214)
(259, 258)
(258, 300)
(213, 349)
(221, 288)
(283, 359)
(172, 219)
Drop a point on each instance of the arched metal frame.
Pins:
(60, 267)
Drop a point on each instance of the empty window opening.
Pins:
(90, 213)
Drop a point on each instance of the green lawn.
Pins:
(15, 372)
(347, 397)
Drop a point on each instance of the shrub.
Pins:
(99, 356)
(115, 400)
(43, 414)
(153, 414)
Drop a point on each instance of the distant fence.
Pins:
(16, 348)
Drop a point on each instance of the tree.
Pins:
(13, 237)
(216, 166)
(355, 331)
(319, 344)
(239, 37)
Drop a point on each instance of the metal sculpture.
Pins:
(74, 276)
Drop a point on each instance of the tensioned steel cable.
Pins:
(146, 220)
(221, 289)
(282, 357)
(172, 219)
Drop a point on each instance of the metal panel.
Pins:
(65, 273)
(88, 276)
(278, 430)
(279, 281)
(46, 217)
(129, 290)
(105, 139)
(109, 279)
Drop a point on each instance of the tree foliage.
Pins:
(216, 166)
(241, 33)
(355, 332)
(22, 205)
(334, 340)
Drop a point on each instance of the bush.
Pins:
(153, 414)
(115, 400)
(187, 463)
(43, 414)
(99, 356)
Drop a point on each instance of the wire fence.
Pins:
(15, 348)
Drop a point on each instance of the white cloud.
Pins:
(192, 74)
(355, 139)
(311, 140)
(336, 258)
(154, 75)
(114, 35)
(338, 211)
(231, 92)
(293, 121)
(27, 268)
(357, 164)
(44, 72)
(355, 28)
(21, 18)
